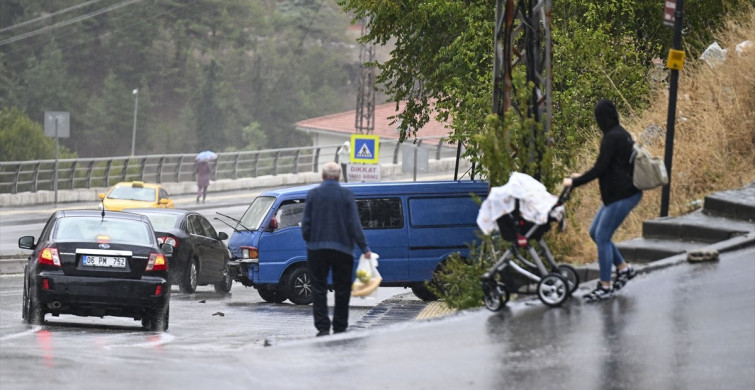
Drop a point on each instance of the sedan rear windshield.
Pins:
(133, 193)
(95, 229)
(161, 222)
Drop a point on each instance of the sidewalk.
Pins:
(725, 223)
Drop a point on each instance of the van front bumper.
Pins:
(244, 270)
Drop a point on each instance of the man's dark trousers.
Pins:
(342, 264)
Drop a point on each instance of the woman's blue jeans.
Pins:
(604, 225)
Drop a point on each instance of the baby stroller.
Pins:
(513, 272)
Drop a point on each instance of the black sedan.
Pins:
(200, 257)
(97, 263)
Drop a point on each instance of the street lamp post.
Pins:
(136, 107)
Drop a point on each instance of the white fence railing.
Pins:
(51, 175)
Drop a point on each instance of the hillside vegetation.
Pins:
(713, 144)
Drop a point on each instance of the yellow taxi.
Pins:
(135, 194)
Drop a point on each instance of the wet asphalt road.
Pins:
(690, 326)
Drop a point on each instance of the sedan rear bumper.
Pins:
(101, 296)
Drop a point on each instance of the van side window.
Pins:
(290, 213)
(449, 211)
(384, 213)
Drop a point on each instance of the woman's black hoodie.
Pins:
(612, 168)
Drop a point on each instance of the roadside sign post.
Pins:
(364, 157)
(675, 62)
(57, 124)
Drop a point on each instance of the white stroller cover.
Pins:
(535, 202)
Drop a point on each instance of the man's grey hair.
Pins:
(331, 171)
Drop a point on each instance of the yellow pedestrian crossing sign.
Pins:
(364, 148)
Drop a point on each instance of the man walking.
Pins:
(331, 227)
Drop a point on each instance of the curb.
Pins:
(12, 266)
(382, 313)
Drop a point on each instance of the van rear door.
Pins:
(440, 226)
(384, 227)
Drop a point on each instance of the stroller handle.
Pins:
(564, 196)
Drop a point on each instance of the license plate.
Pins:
(103, 261)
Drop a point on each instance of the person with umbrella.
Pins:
(204, 171)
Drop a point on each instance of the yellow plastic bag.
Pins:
(367, 277)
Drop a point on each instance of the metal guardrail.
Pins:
(63, 174)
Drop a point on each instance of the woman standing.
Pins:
(344, 155)
(613, 170)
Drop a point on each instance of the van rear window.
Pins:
(450, 211)
(383, 213)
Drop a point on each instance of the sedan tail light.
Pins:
(156, 262)
(49, 256)
(170, 240)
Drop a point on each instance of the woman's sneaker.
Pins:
(600, 293)
(622, 277)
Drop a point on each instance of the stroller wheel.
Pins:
(570, 274)
(495, 295)
(553, 289)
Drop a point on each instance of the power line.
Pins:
(144, 20)
(48, 15)
(67, 22)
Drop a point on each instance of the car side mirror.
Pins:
(272, 225)
(101, 196)
(26, 242)
(222, 236)
(167, 249)
(163, 201)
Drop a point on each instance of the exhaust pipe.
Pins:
(55, 305)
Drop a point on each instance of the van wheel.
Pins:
(298, 286)
(224, 286)
(423, 293)
(272, 296)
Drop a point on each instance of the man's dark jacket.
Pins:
(331, 219)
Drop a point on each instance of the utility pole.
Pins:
(523, 39)
(365, 112)
(675, 62)
(136, 108)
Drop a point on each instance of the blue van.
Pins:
(413, 226)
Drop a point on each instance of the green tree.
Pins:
(210, 121)
(443, 55)
(23, 139)
(49, 87)
(108, 121)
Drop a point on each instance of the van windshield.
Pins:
(253, 216)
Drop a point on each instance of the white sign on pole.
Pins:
(57, 124)
(363, 172)
(669, 8)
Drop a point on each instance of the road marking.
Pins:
(11, 336)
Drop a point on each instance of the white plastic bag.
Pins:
(743, 47)
(367, 277)
(714, 55)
